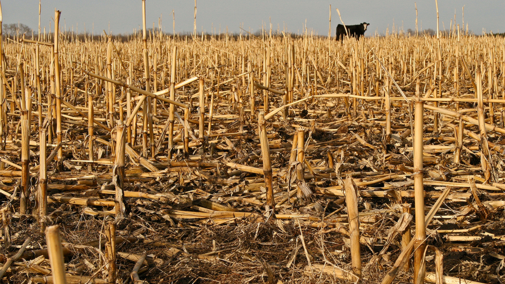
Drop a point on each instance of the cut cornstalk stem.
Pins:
(119, 169)
(91, 117)
(406, 236)
(267, 166)
(294, 149)
(419, 267)
(252, 96)
(25, 159)
(171, 117)
(459, 142)
(57, 86)
(110, 251)
(387, 106)
(186, 133)
(201, 121)
(351, 198)
(55, 249)
(42, 194)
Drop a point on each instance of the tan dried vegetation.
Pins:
(273, 159)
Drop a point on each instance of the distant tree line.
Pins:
(16, 29)
(443, 33)
(427, 32)
(20, 30)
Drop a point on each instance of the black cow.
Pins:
(354, 31)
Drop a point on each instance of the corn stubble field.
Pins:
(246, 159)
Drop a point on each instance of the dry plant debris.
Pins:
(277, 159)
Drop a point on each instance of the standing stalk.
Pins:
(37, 82)
(354, 83)
(57, 83)
(56, 254)
(285, 97)
(387, 108)
(91, 118)
(351, 199)
(301, 158)
(42, 196)
(108, 85)
(267, 166)
(294, 148)
(329, 34)
(155, 84)
(438, 28)
(25, 154)
(186, 133)
(201, 121)
(291, 51)
(406, 236)
(417, 27)
(490, 88)
(251, 91)
(211, 113)
(485, 153)
(119, 169)
(266, 99)
(147, 103)
(503, 85)
(110, 249)
(40, 10)
(459, 142)
(129, 105)
(120, 103)
(51, 113)
(171, 117)
(194, 23)
(439, 79)
(420, 236)
(2, 88)
(456, 74)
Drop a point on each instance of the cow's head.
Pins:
(365, 25)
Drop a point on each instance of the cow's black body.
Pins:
(354, 31)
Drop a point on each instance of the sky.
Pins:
(213, 16)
